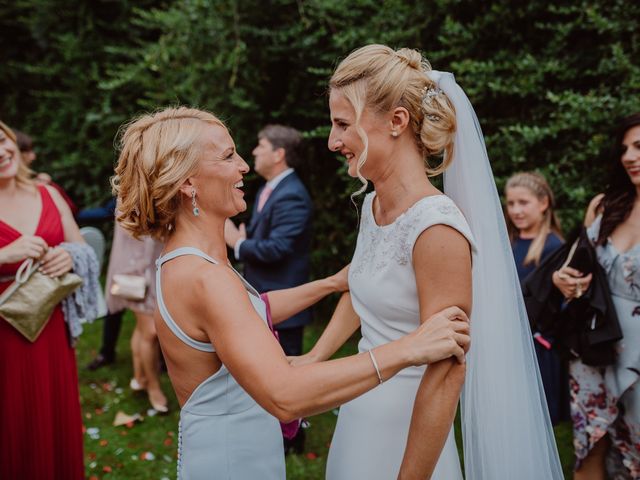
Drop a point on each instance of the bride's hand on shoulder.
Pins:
(443, 335)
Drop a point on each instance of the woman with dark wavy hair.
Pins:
(605, 401)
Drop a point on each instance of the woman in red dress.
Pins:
(40, 419)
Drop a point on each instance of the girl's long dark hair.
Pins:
(621, 193)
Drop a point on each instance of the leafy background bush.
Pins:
(548, 80)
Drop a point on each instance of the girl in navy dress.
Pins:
(534, 231)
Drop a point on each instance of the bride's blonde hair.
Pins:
(379, 78)
(158, 152)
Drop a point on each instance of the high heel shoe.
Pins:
(161, 408)
(136, 386)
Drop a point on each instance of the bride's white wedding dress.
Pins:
(506, 428)
(371, 433)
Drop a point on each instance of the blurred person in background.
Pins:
(40, 418)
(112, 322)
(275, 247)
(130, 256)
(605, 401)
(534, 231)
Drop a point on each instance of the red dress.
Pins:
(40, 418)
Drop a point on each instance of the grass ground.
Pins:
(147, 449)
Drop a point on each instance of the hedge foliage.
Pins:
(548, 80)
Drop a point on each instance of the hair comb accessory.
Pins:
(429, 92)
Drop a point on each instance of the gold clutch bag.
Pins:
(131, 287)
(28, 302)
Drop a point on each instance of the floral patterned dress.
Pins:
(606, 400)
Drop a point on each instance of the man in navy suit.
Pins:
(275, 245)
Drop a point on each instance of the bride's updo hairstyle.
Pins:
(379, 78)
(158, 152)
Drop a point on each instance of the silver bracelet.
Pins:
(375, 365)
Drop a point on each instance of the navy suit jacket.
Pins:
(276, 251)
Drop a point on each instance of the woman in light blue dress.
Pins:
(605, 400)
(179, 179)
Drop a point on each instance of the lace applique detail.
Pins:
(377, 246)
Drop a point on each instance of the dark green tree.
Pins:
(547, 80)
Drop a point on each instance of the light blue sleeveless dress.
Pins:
(606, 400)
(223, 434)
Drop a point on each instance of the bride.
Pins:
(414, 256)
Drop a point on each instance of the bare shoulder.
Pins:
(442, 265)
(58, 200)
(71, 230)
(213, 286)
(217, 280)
(593, 209)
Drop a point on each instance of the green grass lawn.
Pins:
(147, 449)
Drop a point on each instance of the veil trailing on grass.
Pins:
(506, 428)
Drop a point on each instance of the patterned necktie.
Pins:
(264, 195)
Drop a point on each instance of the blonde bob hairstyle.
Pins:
(379, 78)
(158, 152)
(24, 175)
(539, 188)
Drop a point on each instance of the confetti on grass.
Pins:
(122, 418)
(147, 456)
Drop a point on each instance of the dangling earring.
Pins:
(196, 210)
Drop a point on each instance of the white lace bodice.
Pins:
(381, 277)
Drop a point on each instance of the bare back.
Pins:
(187, 366)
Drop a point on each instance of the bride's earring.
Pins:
(196, 210)
(394, 133)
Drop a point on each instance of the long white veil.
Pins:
(507, 432)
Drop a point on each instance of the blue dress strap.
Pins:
(164, 313)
